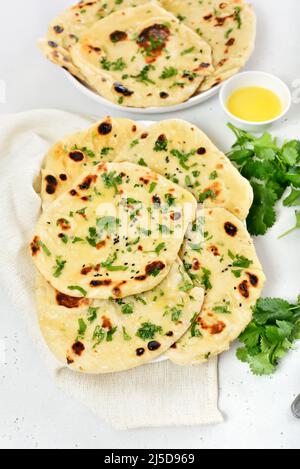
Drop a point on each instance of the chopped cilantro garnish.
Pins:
(116, 66)
(161, 144)
(206, 195)
(187, 51)
(112, 180)
(59, 267)
(98, 336)
(127, 308)
(134, 143)
(213, 175)
(239, 261)
(205, 280)
(108, 264)
(148, 331)
(93, 313)
(64, 238)
(44, 248)
(222, 309)
(183, 157)
(142, 162)
(168, 72)
(106, 150)
(195, 331)
(170, 199)
(237, 15)
(126, 336)
(77, 288)
(159, 248)
(81, 329)
(110, 334)
(152, 187)
(143, 76)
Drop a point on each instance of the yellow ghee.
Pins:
(254, 104)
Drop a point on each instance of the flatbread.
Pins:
(182, 153)
(81, 151)
(143, 57)
(115, 233)
(94, 336)
(228, 27)
(69, 26)
(219, 255)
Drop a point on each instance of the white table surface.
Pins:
(33, 413)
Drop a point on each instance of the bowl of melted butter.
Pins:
(255, 100)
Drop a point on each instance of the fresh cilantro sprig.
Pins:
(296, 227)
(270, 335)
(271, 169)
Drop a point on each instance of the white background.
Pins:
(33, 413)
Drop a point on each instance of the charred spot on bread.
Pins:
(118, 36)
(86, 270)
(121, 89)
(67, 301)
(230, 229)
(154, 39)
(76, 156)
(35, 245)
(153, 346)
(100, 283)
(58, 29)
(105, 128)
(244, 289)
(51, 185)
(52, 44)
(140, 352)
(86, 183)
(253, 279)
(155, 268)
(78, 348)
(230, 42)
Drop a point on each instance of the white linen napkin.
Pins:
(154, 395)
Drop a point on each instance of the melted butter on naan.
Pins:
(94, 240)
(218, 254)
(98, 336)
(143, 57)
(182, 153)
(81, 151)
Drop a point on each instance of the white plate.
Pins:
(137, 110)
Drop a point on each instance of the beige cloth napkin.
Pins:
(159, 394)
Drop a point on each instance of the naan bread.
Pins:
(116, 233)
(81, 151)
(67, 29)
(143, 57)
(94, 336)
(182, 153)
(219, 255)
(228, 27)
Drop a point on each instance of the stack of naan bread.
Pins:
(141, 248)
(142, 54)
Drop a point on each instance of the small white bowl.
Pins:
(193, 101)
(264, 80)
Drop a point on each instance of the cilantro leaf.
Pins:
(296, 227)
(293, 199)
(270, 169)
(270, 336)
